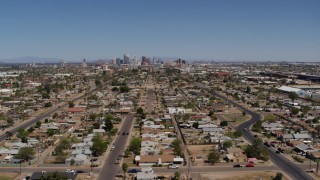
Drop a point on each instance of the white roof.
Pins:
(301, 136)
(288, 89)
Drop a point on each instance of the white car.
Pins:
(173, 166)
(69, 171)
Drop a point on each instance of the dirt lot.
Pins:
(8, 176)
(199, 152)
(266, 175)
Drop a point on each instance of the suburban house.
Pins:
(146, 160)
(235, 155)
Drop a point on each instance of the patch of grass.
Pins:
(270, 117)
(300, 160)
(229, 134)
(235, 118)
(8, 176)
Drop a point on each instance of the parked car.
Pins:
(117, 162)
(69, 171)
(80, 171)
(173, 166)
(280, 150)
(250, 165)
(134, 171)
(267, 144)
(237, 166)
(311, 170)
(27, 178)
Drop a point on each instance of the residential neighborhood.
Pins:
(158, 122)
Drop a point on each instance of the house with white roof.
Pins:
(79, 159)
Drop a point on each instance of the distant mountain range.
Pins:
(29, 59)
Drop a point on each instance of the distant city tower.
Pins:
(126, 59)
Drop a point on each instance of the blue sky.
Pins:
(208, 29)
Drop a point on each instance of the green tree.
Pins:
(25, 153)
(257, 150)
(124, 169)
(293, 96)
(278, 176)
(108, 124)
(248, 90)
(115, 89)
(99, 145)
(213, 157)
(50, 132)
(23, 134)
(55, 115)
(135, 145)
(9, 134)
(257, 126)
(176, 144)
(227, 144)
(295, 110)
(45, 96)
(195, 125)
(38, 124)
(244, 113)
(211, 113)
(317, 128)
(72, 162)
(71, 104)
(96, 125)
(124, 89)
(62, 145)
(53, 176)
(48, 104)
(98, 83)
(140, 111)
(177, 176)
(237, 134)
(224, 123)
(93, 116)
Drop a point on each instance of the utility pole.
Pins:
(20, 166)
(91, 163)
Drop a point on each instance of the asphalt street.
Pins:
(29, 123)
(110, 169)
(284, 164)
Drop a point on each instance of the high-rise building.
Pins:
(62, 63)
(126, 59)
(135, 60)
(145, 61)
(118, 61)
(33, 64)
(84, 64)
(113, 61)
(154, 60)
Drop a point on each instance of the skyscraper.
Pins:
(145, 61)
(126, 59)
(118, 61)
(135, 60)
(84, 64)
(62, 63)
